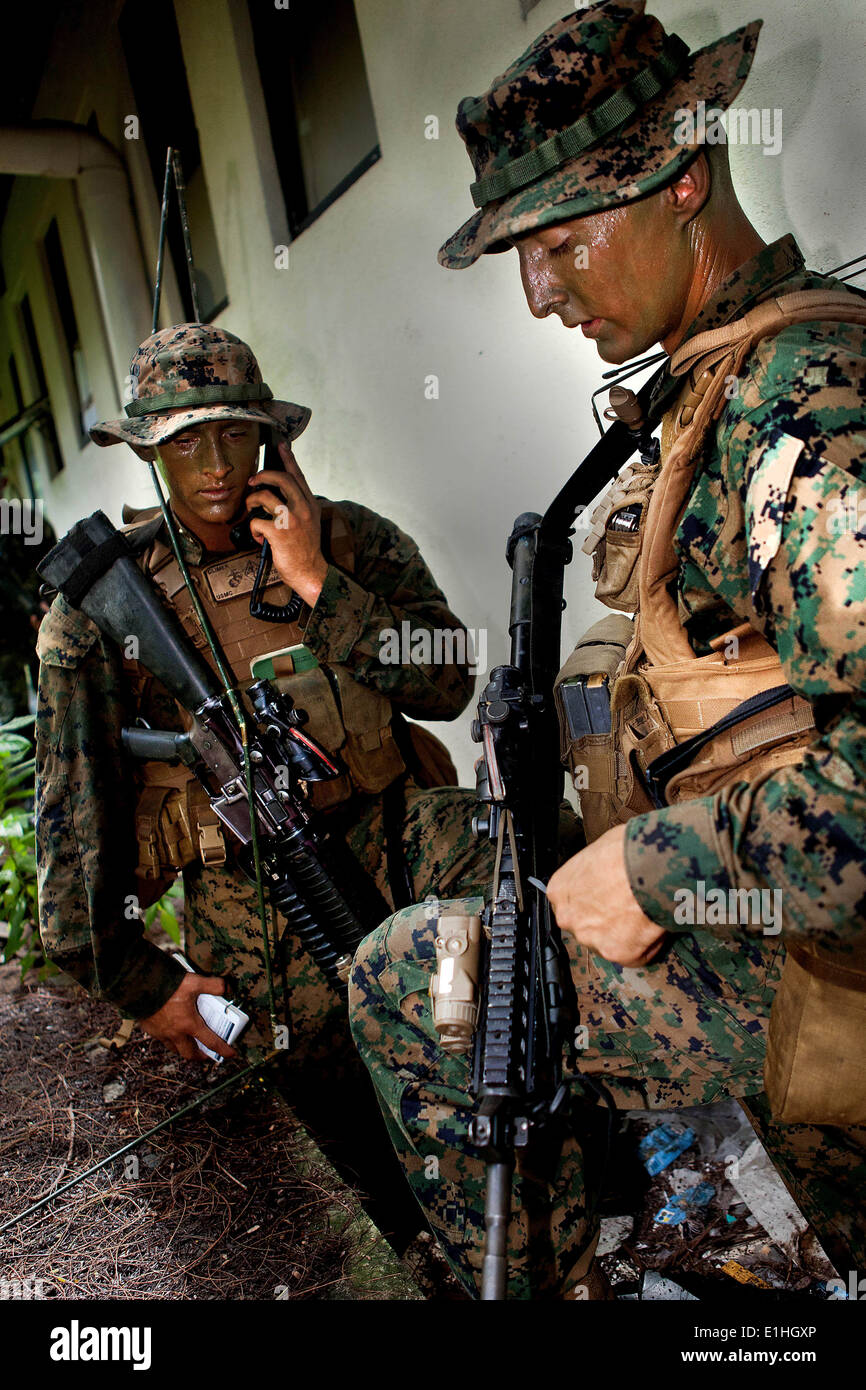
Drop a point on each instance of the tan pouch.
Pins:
(815, 1067)
(695, 694)
(175, 826)
(617, 530)
(589, 757)
(370, 750)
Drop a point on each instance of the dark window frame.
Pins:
(283, 130)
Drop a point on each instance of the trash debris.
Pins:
(614, 1230)
(655, 1289)
(744, 1276)
(121, 1037)
(683, 1205)
(662, 1145)
(113, 1090)
(768, 1199)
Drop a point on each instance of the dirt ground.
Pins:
(223, 1204)
(227, 1203)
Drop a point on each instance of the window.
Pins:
(87, 413)
(46, 426)
(317, 97)
(154, 59)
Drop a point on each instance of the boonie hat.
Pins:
(191, 373)
(589, 117)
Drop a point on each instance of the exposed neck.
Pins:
(719, 245)
(214, 535)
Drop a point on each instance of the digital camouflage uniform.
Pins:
(87, 784)
(691, 1027)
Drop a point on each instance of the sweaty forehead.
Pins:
(213, 427)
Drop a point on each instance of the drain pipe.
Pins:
(59, 150)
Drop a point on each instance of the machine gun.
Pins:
(95, 569)
(526, 1015)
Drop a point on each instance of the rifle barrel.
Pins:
(497, 1211)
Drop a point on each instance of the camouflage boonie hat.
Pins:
(192, 373)
(587, 118)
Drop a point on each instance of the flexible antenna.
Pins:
(160, 254)
(184, 222)
(173, 166)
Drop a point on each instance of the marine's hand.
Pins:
(591, 897)
(295, 531)
(178, 1023)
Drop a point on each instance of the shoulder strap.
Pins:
(767, 319)
(725, 349)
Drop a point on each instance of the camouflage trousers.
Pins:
(223, 934)
(686, 1030)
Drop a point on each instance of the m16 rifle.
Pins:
(527, 1011)
(95, 569)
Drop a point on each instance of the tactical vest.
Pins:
(174, 820)
(663, 695)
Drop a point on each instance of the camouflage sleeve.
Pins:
(390, 623)
(84, 828)
(799, 461)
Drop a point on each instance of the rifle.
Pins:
(94, 567)
(527, 1013)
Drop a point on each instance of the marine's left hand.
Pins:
(295, 531)
(591, 897)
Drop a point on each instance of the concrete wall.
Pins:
(363, 314)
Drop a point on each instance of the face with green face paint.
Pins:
(633, 276)
(207, 468)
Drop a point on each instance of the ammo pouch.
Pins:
(582, 691)
(687, 728)
(815, 1067)
(350, 719)
(174, 823)
(616, 532)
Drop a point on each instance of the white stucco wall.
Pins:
(364, 313)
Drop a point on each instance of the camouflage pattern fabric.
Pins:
(85, 791)
(568, 73)
(192, 373)
(771, 534)
(223, 932)
(691, 1028)
(687, 1030)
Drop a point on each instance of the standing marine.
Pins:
(715, 919)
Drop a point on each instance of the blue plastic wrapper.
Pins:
(683, 1205)
(662, 1145)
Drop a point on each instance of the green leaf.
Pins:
(22, 772)
(169, 924)
(13, 745)
(27, 961)
(20, 721)
(14, 940)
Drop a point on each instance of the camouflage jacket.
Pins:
(791, 560)
(85, 798)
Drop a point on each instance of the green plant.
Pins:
(165, 909)
(19, 914)
(18, 908)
